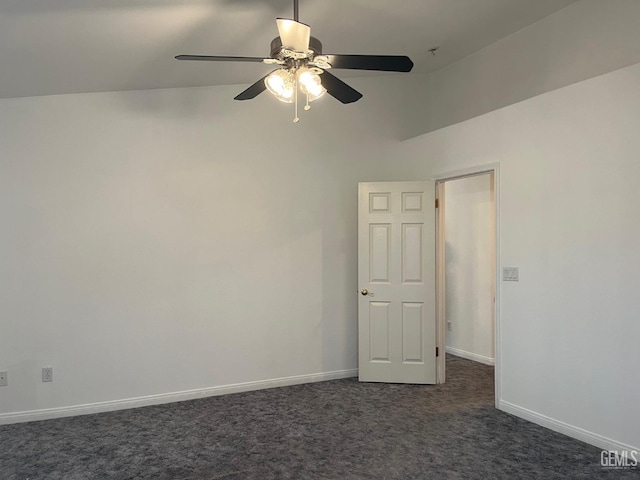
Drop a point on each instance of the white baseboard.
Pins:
(565, 428)
(102, 407)
(470, 356)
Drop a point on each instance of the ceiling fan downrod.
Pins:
(296, 11)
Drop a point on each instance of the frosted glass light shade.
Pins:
(311, 84)
(282, 84)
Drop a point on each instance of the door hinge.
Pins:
(437, 352)
(437, 203)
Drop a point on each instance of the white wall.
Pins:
(585, 39)
(170, 240)
(469, 267)
(570, 204)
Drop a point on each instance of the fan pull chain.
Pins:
(295, 99)
(307, 107)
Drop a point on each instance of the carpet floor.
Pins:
(332, 430)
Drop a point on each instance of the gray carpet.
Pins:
(332, 430)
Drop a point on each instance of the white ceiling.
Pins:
(73, 46)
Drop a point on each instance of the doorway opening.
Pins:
(467, 267)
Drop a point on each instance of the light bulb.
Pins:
(275, 83)
(281, 84)
(311, 84)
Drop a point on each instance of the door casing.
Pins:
(440, 179)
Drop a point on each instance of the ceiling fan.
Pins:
(302, 67)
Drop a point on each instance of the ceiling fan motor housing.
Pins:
(277, 50)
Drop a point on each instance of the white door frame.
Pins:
(440, 274)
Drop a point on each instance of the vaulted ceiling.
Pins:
(73, 46)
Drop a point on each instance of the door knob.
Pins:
(364, 291)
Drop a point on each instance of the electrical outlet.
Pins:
(47, 374)
(449, 326)
(4, 379)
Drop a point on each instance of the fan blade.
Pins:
(338, 89)
(294, 35)
(386, 63)
(254, 90)
(208, 58)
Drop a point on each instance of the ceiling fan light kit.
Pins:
(302, 67)
(282, 83)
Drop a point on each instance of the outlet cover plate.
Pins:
(510, 274)
(4, 379)
(47, 374)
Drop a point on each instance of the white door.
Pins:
(396, 275)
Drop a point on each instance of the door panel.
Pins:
(379, 331)
(412, 253)
(380, 252)
(412, 320)
(396, 271)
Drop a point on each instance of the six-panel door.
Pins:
(396, 289)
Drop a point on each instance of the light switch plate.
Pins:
(4, 379)
(510, 274)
